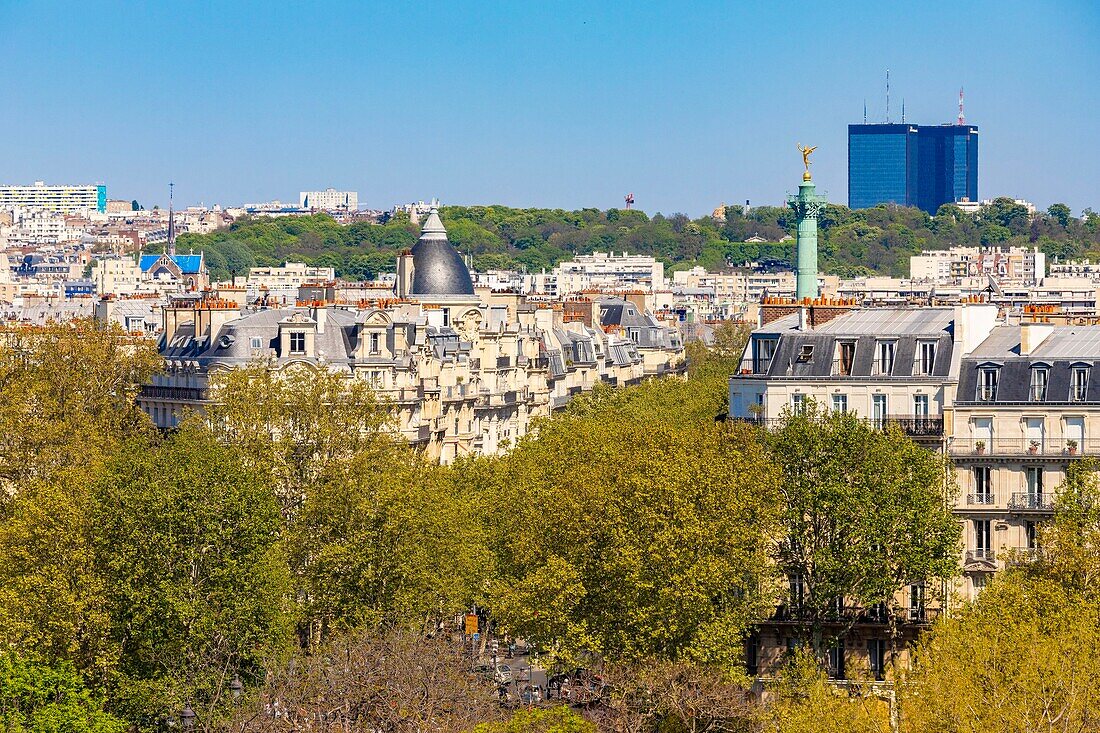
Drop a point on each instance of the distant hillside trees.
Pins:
(857, 242)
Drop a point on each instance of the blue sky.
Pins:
(554, 104)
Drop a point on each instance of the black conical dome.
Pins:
(437, 267)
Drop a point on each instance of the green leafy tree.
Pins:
(1060, 213)
(626, 534)
(1021, 658)
(560, 719)
(299, 427)
(41, 698)
(69, 398)
(864, 513)
(186, 539)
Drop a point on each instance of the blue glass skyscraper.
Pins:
(912, 165)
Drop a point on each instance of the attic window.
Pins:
(806, 352)
(257, 342)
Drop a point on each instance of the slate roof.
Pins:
(437, 267)
(1063, 349)
(905, 326)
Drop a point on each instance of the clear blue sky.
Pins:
(554, 104)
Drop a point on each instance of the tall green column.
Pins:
(806, 205)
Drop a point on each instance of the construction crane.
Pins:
(629, 200)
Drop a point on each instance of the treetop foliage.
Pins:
(878, 240)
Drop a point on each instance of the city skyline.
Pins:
(493, 104)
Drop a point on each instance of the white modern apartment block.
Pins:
(62, 199)
(329, 200)
(609, 271)
(1016, 264)
(281, 283)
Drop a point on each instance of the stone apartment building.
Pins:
(1027, 405)
(464, 372)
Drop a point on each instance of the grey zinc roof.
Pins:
(891, 321)
(875, 322)
(1065, 342)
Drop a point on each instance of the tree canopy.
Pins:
(878, 240)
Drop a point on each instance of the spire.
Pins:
(433, 226)
(171, 222)
(962, 118)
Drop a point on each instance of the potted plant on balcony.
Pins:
(979, 447)
(1033, 447)
(1071, 447)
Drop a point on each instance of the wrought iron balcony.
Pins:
(983, 499)
(185, 394)
(981, 555)
(915, 426)
(1034, 502)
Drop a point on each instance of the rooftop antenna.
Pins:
(887, 96)
(171, 222)
(962, 118)
(865, 111)
(903, 111)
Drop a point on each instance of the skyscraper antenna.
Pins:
(887, 95)
(903, 110)
(171, 222)
(962, 118)
(865, 111)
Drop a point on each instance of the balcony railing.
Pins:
(980, 556)
(1047, 447)
(914, 426)
(1031, 502)
(984, 499)
(185, 394)
(793, 613)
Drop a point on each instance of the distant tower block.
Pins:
(807, 205)
(629, 200)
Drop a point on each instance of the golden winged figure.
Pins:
(806, 155)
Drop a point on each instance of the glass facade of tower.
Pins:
(881, 165)
(912, 165)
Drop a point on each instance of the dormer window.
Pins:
(845, 357)
(375, 343)
(806, 352)
(987, 383)
(763, 349)
(1079, 383)
(926, 358)
(297, 342)
(1038, 391)
(884, 357)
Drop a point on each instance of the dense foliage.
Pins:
(288, 541)
(879, 240)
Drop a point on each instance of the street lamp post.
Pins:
(235, 689)
(188, 717)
